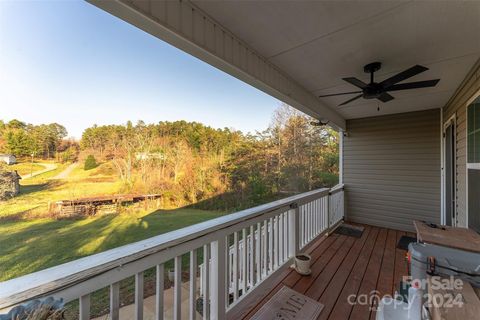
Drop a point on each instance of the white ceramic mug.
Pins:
(302, 264)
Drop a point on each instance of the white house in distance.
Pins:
(8, 158)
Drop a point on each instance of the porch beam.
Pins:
(185, 26)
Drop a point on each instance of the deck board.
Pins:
(338, 248)
(342, 308)
(385, 278)
(329, 296)
(320, 283)
(342, 266)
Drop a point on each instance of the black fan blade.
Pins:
(348, 101)
(357, 83)
(339, 94)
(385, 97)
(403, 75)
(413, 85)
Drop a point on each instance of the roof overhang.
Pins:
(297, 50)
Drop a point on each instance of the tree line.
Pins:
(189, 162)
(25, 140)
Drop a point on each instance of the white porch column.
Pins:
(340, 155)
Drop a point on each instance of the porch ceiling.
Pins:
(319, 42)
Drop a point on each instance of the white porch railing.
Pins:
(243, 249)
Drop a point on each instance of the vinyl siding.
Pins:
(458, 105)
(392, 169)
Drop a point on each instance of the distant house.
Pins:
(149, 155)
(8, 158)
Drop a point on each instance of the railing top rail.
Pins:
(64, 275)
(337, 188)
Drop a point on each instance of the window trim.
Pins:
(452, 121)
(467, 165)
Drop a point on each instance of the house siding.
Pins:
(391, 169)
(458, 105)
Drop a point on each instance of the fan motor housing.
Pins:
(372, 91)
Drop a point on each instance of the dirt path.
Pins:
(65, 173)
(48, 167)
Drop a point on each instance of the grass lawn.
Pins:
(29, 243)
(29, 246)
(24, 168)
(38, 191)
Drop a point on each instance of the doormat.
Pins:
(405, 241)
(350, 230)
(289, 305)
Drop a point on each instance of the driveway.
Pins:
(65, 173)
(48, 167)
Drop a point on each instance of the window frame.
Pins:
(468, 166)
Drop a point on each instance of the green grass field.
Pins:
(29, 243)
(38, 191)
(26, 167)
(29, 246)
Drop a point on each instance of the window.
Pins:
(473, 164)
(473, 132)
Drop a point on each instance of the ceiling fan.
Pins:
(379, 90)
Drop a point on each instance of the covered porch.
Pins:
(344, 268)
(396, 163)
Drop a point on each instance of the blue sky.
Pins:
(72, 63)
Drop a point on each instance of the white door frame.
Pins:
(452, 121)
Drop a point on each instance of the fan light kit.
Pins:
(379, 90)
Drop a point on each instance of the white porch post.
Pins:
(294, 229)
(340, 156)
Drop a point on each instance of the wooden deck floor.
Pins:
(341, 266)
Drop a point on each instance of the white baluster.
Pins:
(115, 301)
(193, 284)
(309, 224)
(265, 248)
(235, 266)
(270, 246)
(281, 235)
(312, 208)
(244, 261)
(275, 242)
(139, 296)
(228, 267)
(286, 235)
(159, 292)
(252, 256)
(206, 282)
(258, 252)
(318, 215)
(219, 289)
(302, 226)
(84, 307)
(177, 289)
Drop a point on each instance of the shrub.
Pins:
(90, 163)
